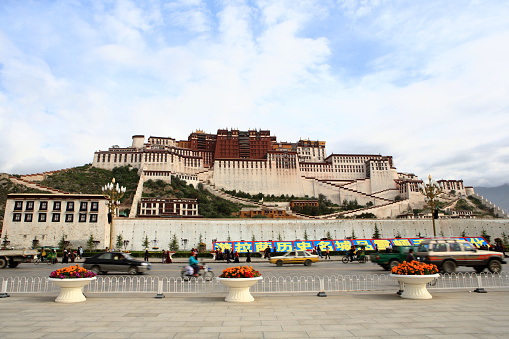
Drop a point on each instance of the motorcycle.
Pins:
(205, 272)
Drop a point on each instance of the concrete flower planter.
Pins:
(415, 285)
(239, 289)
(71, 290)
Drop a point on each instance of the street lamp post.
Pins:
(431, 191)
(112, 193)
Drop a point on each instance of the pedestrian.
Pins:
(146, 254)
(65, 257)
(227, 255)
(319, 251)
(327, 254)
(73, 256)
(163, 256)
(267, 253)
(236, 257)
(248, 259)
(168, 257)
(410, 255)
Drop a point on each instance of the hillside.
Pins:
(498, 195)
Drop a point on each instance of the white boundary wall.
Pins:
(135, 230)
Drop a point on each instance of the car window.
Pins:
(290, 254)
(439, 248)
(118, 256)
(469, 247)
(300, 254)
(128, 256)
(105, 256)
(423, 248)
(454, 247)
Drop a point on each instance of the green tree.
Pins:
(328, 236)
(253, 237)
(305, 235)
(376, 233)
(353, 234)
(120, 242)
(174, 244)
(463, 234)
(5, 241)
(146, 242)
(61, 243)
(90, 242)
(486, 236)
(279, 237)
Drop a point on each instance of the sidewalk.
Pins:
(457, 314)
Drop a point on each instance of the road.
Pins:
(323, 268)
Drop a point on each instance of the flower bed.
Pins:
(72, 272)
(240, 272)
(414, 268)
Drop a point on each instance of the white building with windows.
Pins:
(48, 217)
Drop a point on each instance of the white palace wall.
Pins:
(162, 230)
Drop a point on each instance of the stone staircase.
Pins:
(31, 184)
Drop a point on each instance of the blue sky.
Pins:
(424, 81)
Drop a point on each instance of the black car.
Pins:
(117, 262)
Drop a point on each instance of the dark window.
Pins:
(69, 217)
(93, 217)
(30, 206)
(94, 206)
(28, 217)
(83, 206)
(42, 217)
(70, 206)
(56, 217)
(16, 217)
(18, 205)
(56, 206)
(83, 217)
(43, 206)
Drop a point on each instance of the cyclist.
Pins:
(351, 253)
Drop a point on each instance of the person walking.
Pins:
(327, 254)
(146, 255)
(163, 256)
(319, 251)
(80, 252)
(248, 259)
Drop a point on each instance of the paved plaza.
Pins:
(451, 314)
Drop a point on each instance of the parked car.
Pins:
(295, 257)
(116, 262)
(448, 254)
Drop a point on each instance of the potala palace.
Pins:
(254, 162)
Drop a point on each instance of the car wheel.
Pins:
(479, 269)
(307, 262)
(345, 260)
(279, 263)
(449, 267)
(385, 267)
(393, 263)
(208, 276)
(13, 264)
(3, 263)
(494, 266)
(96, 269)
(133, 270)
(363, 260)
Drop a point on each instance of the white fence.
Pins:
(271, 284)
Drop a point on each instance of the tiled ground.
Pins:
(457, 314)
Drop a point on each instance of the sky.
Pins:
(424, 81)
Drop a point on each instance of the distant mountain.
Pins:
(497, 195)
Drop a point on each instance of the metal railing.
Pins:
(269, 284)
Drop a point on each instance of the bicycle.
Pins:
(43, 260)
(361, 260)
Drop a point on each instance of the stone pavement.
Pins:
(451, 314)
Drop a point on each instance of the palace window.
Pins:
(43, 206)
(28, 217)
(30, 206)
(42, 217)
(16, 217)
(83, 217)
(18, 205)
(83, 206)
(70, 206)
(55, 217)
(57, 205)
(94, 206)
(69, 217)
(93, 217)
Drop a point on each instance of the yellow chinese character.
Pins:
(401, 242)
(381, 244)
(477, 241)
(262, 245)
(284, 246)
(342, 245)
(364, 243)
(303, 245)
(223, 245)
(242, 247)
